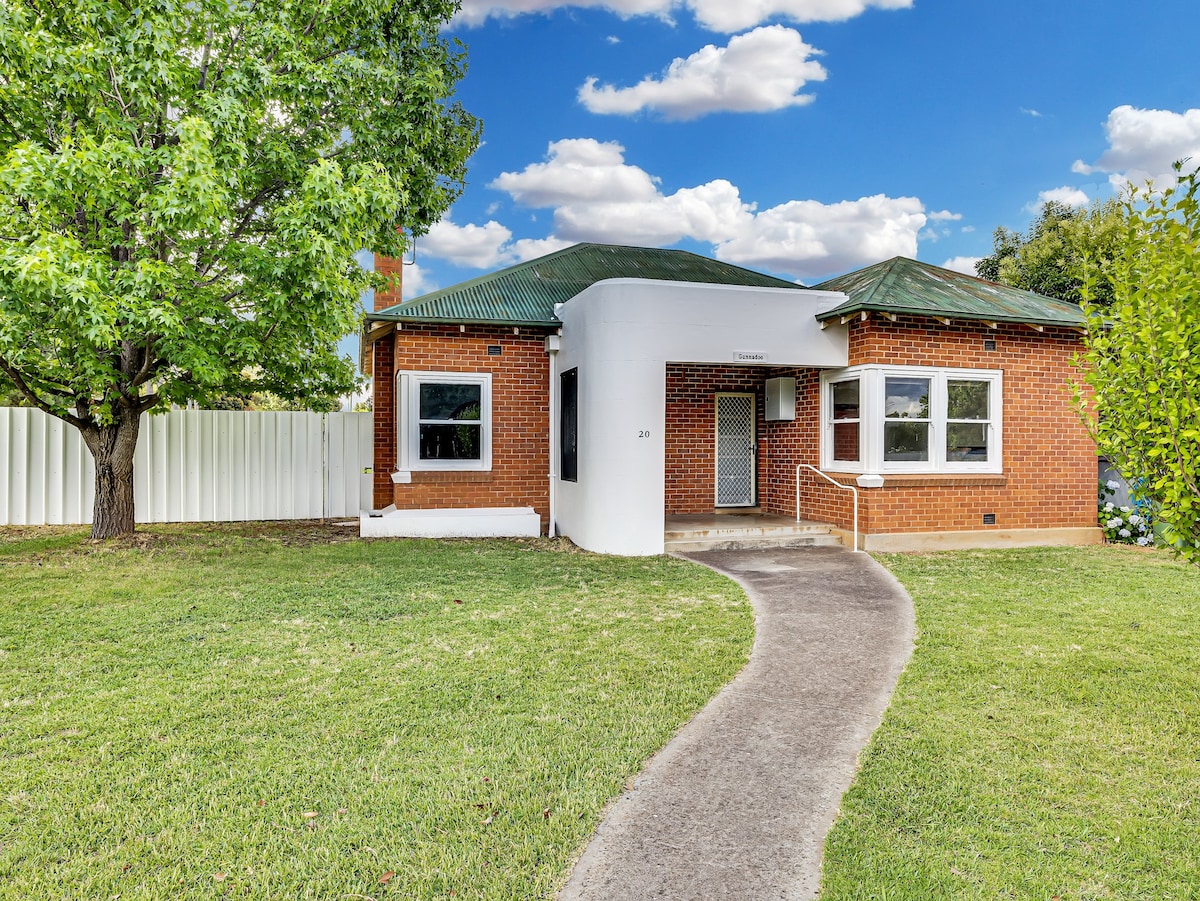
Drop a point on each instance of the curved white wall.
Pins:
(621, 334)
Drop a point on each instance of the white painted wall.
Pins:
(621, 334)
(193, 466)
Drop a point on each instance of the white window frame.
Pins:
(872, 403)
(408, 425)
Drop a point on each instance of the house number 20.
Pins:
(643, 433)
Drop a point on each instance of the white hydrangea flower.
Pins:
(1109, 507)
(1143, 541)
(1112, 484)
(1125, 509)
(1134, 519)
(1125, 533)
(1115, 523)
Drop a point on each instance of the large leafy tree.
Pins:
(1049, 258)
(1143, 355)
(183, 184)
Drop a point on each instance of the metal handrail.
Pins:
(836, 484)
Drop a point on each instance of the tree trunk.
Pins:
(112, 449)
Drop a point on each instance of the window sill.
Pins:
(922, 479)
(448, 476)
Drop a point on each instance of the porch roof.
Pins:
(904, 286)
(526, 294)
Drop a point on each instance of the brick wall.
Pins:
(1049, 470)
(691, 423)
(520, 417)
(394, 270)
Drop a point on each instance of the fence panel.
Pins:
(193, 466)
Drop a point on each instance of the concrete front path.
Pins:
(737, 805)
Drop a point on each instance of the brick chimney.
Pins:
(394, 270)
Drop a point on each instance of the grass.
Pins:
(1044, 742)
(269, 712)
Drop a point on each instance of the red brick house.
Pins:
(600, 392)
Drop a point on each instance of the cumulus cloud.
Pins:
(738, 15)
(1144, 143)
(485, 246)
(806, 238)
(728, 16)
(622, 203)
(965, 265)
(578, 170)
(1066, 194)
(944, 216)
(416, 281)
(760, 71)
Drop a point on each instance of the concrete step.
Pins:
(749, 542)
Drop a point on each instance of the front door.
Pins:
(735, 450)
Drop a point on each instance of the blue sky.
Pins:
(805, 138)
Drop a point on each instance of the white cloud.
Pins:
(1066, 194)
(416, 281)
(1030, 112)
(760, 71)
(488, 246)
(738, 15)
(476, 12)
(476, 246)
(806, 238)
(613, 39)
(623, 203)
(578, 170)
(965, 265)
(717, 15)
(1143, 144)
(944, 216)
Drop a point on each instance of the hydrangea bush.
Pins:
(1124, 524)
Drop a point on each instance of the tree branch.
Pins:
(37, 401)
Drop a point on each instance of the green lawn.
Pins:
(264, 712)
(1044, 742)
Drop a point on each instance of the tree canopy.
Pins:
(183, 184)
(1050, 257)
(1143, 355)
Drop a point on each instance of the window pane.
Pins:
(845, 441)
(569, 425)
(445, 401)
(966, 442)
(907, 399)
(451, 442)
(905, 441)
(845, 402)
(966, 400)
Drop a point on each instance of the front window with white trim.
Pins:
(911, 419)
(444, 421)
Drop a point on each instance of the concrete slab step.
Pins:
(749, 542)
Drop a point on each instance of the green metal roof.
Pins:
(525, 294)
(904, 286)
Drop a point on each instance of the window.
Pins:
(846, 447)
(568, 421)
(911, 419)
(444, 420)
(906, 422)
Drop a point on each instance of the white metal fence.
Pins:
(193, 466)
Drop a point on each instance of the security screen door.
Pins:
(735, 450)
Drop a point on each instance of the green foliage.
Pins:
(1143, 356)
(183, 186)
(1050, 259)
